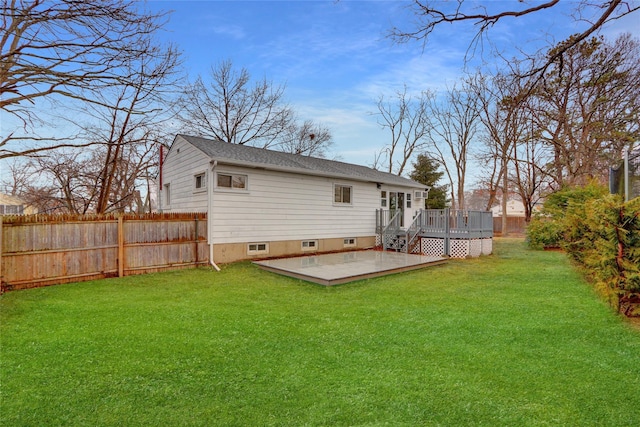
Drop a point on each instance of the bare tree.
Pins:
(230, 108)
(505, 116)
(124, 124)
(308, 139)
(454, 120)
(432, 15)
(70, 181)
(65, 50)
(528, 175)
(406, 119)
(588, 108)
(66, 182)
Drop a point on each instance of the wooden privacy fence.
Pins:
(515, 225)
(40, 250)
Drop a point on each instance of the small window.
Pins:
(200, 181)
(167, 194)
(12, 209)
(349, 242)
(408, 200)
(236, 182)
(383, 199)
(309, 245)
(342, 194)
(257, 248)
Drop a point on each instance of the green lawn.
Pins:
(517, 338)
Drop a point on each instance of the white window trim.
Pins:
(333, 194)
(309, 247)
(202, 189)
(257, 251)
(166, 193)
(347, 242)
(383, 200)
(244, 190)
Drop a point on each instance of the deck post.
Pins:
(447, 231)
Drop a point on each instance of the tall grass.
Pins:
(517, 338)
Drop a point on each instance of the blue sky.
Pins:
(334, 58)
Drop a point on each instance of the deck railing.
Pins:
(437, 223)
(387, 220)
(390, 231)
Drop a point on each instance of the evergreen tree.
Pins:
(425, 171)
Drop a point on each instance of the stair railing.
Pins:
(391, 230)
(413, 231)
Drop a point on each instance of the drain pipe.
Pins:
(212, 164)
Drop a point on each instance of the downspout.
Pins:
(213, 164)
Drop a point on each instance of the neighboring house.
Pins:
(12, 205)
(263, 203)
(514, 208)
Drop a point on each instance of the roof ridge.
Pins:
(267, 157)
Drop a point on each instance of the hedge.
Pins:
(602, 233)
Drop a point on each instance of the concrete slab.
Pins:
(343, 267)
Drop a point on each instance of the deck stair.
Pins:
(447, 225)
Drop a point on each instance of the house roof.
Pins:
(242, 155)
(7, 199)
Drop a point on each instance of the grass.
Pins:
(517, 338)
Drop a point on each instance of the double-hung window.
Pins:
(342, 194)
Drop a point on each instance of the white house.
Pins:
(264, 203)
(514, 208)
(12, 205)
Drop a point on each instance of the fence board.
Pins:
(515, 225)
(38, 250)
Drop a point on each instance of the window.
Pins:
(408, 200)
(257, 248)
(383, 199)
(11, 209)
(349, 242)
(167, 194)
(200, 181)
(309, 245)
(342, 194)
(236, 182)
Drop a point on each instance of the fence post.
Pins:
(197, 239)
(1, 232)
(120, 246)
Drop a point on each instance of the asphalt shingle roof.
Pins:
(243, 155)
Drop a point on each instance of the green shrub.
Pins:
(601, 232)
(558, 224)
(611, 245)
(544, 232)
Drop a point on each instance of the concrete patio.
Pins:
(344, 267)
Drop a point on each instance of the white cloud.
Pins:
(234, 31)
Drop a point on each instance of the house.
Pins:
(263, 203)
(514, 208)
(12, 205)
